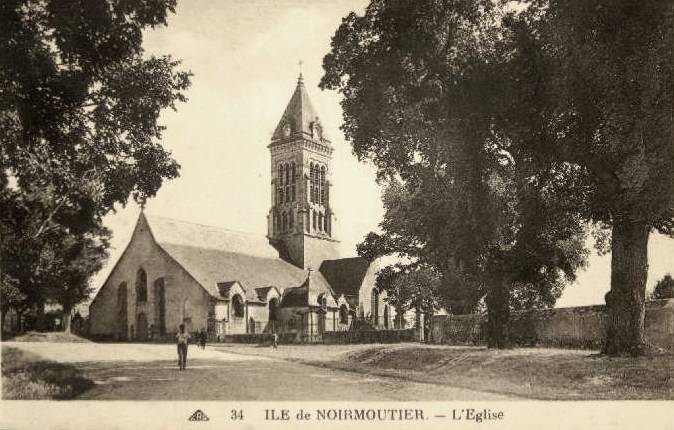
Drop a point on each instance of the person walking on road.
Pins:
(275, 341)
(202, 338)
(182, 338)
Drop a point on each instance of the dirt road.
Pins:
(149, 372)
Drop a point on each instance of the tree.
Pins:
(56, 266)
(604, 74)
(423, 99)
(10, 297)
(79, 133)
(409, 287)
(664, 288)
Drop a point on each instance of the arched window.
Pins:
(322, 185)
(237, 306)
(320, 221)
(327, 195)
(291, 221)
(316, 170)
(322, 301)
(285, 222)
(311, 182)
(307, 224)
(279, 185)
(141, 286)
(313, 225)
(287, 182)
(343, 314)
(293, 180)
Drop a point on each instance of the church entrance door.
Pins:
(142, 327)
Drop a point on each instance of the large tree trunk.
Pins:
(40, 318)
(498, 315)
(67, 318)
(625, 300)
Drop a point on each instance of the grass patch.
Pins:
(27, 377)
(547, 374)
(49, 336)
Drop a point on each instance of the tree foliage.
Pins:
(427, 98)
(510, 127)
(79, 133)
(410, 287)
(604, 70)
(664, 288)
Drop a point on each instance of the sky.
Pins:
(245, 56)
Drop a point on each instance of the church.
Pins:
(291, 281)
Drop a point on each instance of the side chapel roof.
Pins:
(345, 275)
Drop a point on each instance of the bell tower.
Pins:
(301, 220)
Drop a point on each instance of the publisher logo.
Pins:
(198, 415)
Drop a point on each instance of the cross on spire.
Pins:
(300, 80)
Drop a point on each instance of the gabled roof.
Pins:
(170, 231)
(225, 290)
(263, 293)
(299, 113)
(308, 293)
(346, 274)
(214, 256)
(211, 266)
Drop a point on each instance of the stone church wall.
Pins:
(575, 327)
(185, 300)
(317, 250)
(365, 306)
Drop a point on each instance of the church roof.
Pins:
(308, 293)
(263, 293)
(214, 256)
(299, 113)
(166, 230)
(345, 275)
(225, 291)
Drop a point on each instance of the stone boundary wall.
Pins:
(337, 337)
(574, 327)
(259, 338)
(370, 336)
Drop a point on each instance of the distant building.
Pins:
(293, 280)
